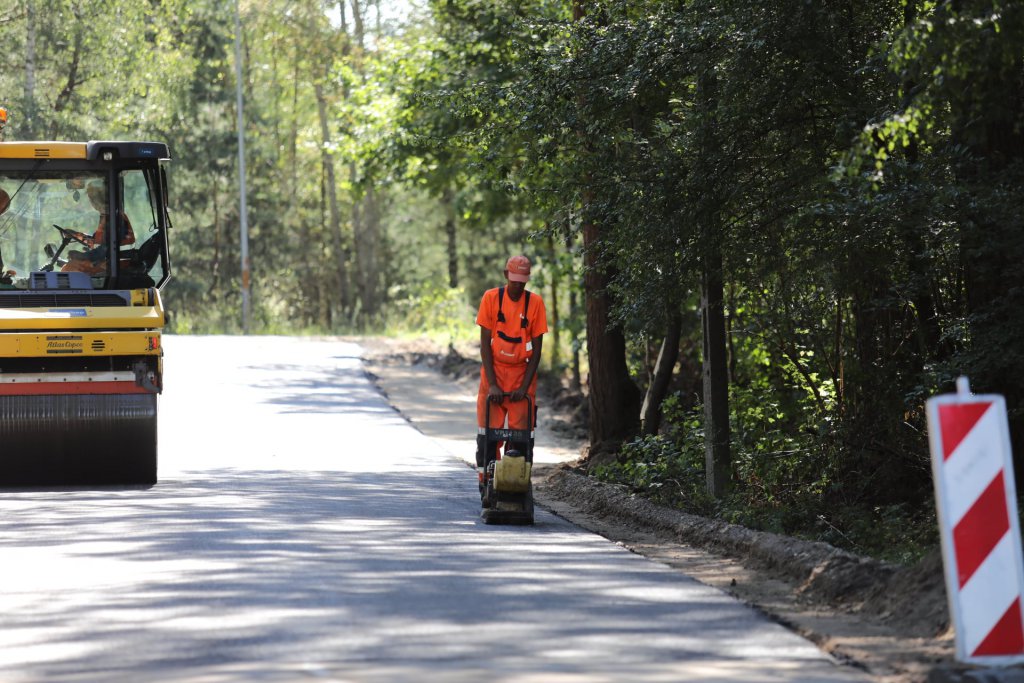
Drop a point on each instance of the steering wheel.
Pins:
(70, 235)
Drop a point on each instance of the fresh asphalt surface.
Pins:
(303, 530)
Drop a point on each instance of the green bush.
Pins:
(782, 479)
(667, 469)
(441, 313)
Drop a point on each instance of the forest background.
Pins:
(766, 232)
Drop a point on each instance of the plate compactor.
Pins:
(83, 254)
(506, 493)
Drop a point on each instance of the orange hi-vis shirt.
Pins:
(504, 351)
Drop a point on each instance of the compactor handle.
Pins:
(529, 409)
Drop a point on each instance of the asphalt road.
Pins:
(303, 530)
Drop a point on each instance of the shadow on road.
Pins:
(346, 569)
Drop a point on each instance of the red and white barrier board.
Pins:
(977, 505)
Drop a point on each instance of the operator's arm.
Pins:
(487, 359)
(531, 370)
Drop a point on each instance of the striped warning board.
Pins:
(978, 524)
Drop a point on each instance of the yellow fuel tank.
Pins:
(512, 474)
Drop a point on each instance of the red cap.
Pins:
(517, 269)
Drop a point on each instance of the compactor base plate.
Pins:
(509, 508)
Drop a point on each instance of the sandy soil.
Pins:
(890, 621)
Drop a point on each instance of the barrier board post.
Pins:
(976, 500)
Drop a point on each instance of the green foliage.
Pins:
(860, 166)
(668, 472)
(779, 486)
(438, 312)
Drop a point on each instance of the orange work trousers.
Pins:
(508, 377)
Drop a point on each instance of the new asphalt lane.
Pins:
(303, 530)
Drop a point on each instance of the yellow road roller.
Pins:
(83, 255)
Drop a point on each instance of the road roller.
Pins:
(83, 255)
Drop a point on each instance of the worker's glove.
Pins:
(87, 240)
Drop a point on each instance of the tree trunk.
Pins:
(357, 23)
(334, 215)
(369, 255)
(215, 265)
(650, 414)
(366, 232)
(30, 71)
(718, 460)
(293, 133)
(920, 266)
(574, 314)
(450, 226)
(614, 398)
(554, 323)
(63, 99)
(993, 277)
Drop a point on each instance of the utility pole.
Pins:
(243, 209)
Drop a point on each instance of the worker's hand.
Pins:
(494, 394)
(519, 394)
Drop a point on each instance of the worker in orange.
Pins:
(512, 326)
(95, 260)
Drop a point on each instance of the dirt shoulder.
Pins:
(890, 621)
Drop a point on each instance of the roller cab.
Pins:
(83, 255)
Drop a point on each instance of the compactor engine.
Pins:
(83, 254)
